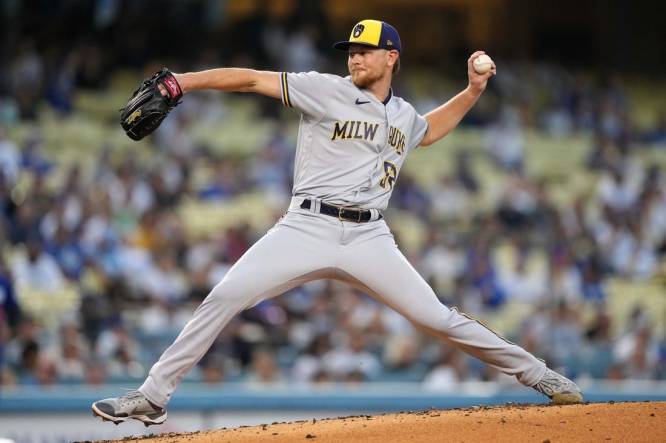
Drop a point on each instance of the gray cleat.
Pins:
(133, 405)
(559, 389)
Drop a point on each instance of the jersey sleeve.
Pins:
(418, 130)
(305, 91)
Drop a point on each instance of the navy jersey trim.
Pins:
(285, 90)
(388, 97)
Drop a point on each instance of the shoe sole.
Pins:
(567, 398)
(117, 420)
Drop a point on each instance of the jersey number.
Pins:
(390, 174)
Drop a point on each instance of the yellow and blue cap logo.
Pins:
(374, 33)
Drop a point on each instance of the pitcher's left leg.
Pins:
(379, 268)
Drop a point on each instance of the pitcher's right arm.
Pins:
(232, 80)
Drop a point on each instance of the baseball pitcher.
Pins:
(353, 139)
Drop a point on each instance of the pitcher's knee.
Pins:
(435, 320)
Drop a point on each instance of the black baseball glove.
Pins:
(148, 106)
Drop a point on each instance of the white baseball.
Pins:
(482, 64)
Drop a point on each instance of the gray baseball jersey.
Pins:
(350, 145)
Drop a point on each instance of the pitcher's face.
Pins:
(368, 65)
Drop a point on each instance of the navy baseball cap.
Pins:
(373, 33)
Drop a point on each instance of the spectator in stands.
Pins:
(519, 204)
(401, 352)
(33, 158)
(304, 56)
(212, 368)
(225, 182)
(604, 155)
(119, 351)
(68, 253)
(270, 170)
(449, 200)
(24, 223)
(61, 85)
(599, 346)
(464, 172)
(26, 357)
(72, 353)
(566, 335)
(309, 364)
(505, 141)
(564, 278)
(443, 259)
(7, 207)
(482, 278)
(617, 192)
(593, 272)
(652, 209)
(37, 270)
(27, 78)
(411, 197)
(175, 135)
(10, 311)
(352, 358)
(164, 280)
(447, 373)
(128, 189)
(638, 353)
(633, 255)
(10, 158)
(523, 284)
(95, 374)
(264, 370)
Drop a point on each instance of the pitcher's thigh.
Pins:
(380, 268)
(282, 259)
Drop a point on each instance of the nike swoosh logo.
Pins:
(359, 102)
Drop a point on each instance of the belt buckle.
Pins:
(341, 217)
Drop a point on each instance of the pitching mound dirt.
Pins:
(620, 422)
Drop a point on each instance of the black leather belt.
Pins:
(343, 214)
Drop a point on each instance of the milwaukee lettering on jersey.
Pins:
(355, 129)
(396, 139)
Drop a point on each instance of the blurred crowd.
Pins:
(42, 60)
(98, 273)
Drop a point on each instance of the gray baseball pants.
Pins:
(305, 245)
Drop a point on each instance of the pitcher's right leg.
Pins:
(290, 254)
